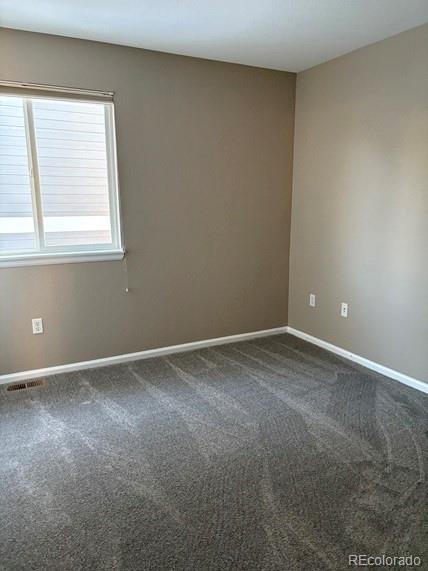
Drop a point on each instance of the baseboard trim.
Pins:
(128, 357)
(105, 361)
(397, 376)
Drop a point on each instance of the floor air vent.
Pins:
(29, 385)
(36, 383)
(17, 387)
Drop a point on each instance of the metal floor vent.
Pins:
(29, 385)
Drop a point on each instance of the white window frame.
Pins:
(41, 254)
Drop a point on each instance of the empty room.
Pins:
(213, 285)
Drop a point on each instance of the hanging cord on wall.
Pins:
(125, 274)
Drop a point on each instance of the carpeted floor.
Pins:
(264, 455)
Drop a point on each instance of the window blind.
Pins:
(35, 90)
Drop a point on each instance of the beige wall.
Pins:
(360, 202)
(205, 167)
(205, 173)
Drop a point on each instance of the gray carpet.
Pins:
(265, 455)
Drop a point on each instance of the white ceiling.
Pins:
(289, 35)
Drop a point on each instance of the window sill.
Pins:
(60, 258)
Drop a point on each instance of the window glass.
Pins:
(16, 207)
(72, 159)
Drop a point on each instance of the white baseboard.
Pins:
(105, 361)
(401, 377)
(35, 373)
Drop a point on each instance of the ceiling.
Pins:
(290, 35)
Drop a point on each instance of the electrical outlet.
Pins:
(37, 323)
(312, 299)
(344, 310)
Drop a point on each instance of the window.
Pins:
(58, 181)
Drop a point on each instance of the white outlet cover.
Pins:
(312, 299)
(37, 324)
(344, 310)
